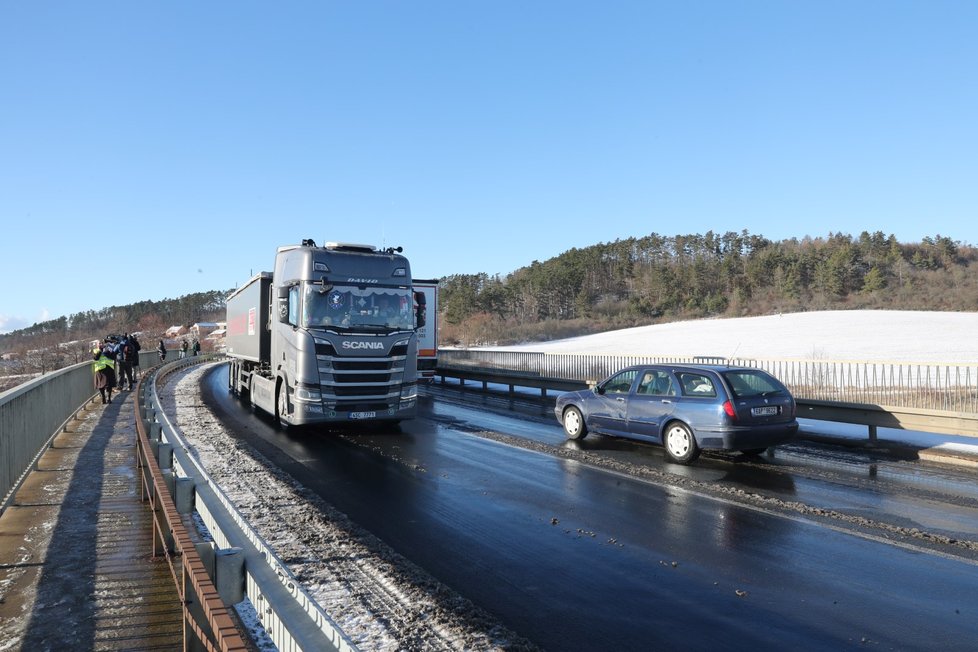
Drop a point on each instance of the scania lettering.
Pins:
(362, 345)
(329, 336)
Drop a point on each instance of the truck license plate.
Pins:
(767, 411)
(363, 415)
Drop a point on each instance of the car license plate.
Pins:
(766, 411)
(363, 415)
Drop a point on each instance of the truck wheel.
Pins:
(680, 444)
(282, 406)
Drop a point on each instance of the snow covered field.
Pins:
(854, 335)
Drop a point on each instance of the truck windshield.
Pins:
(350, 307)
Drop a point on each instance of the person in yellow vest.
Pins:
(104, 367)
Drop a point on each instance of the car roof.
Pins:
(683, 366)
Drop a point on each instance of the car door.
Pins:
(652, 402)
(607, 411)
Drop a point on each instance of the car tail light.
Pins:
(729, 409)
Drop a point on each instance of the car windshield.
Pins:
(746, 383)
(351, 307)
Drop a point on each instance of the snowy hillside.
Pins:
(858, 335)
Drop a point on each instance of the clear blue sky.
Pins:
(154, 149)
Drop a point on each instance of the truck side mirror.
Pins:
(282, 304)
(420, 312)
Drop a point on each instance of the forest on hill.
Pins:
(630, 282)
(656, 278)
(56, 343)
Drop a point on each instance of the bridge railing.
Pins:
(32, 414)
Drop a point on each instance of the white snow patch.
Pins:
(856, 335)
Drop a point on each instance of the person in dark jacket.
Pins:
(161, 349)
(125, 353)
(135, 358)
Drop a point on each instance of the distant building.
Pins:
(217, 337)
(201, 330)
(174, 332)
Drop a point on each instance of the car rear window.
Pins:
(748, 383)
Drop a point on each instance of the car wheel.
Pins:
(680, 444)
(574, 424)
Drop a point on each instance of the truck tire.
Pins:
(282, 405)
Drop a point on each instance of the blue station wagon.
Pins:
(686, 408)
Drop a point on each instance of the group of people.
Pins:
(187, 346)
(116, 362)
(115, 357)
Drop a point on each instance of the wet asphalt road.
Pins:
(578, 557)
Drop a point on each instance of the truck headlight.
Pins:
(409, 392)
(307, 394)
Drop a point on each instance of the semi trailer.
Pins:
(428, 333)
(329, 336)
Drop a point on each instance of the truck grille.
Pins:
(360, 383)
(363, 365)
(360, 390)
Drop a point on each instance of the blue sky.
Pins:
(150, 150)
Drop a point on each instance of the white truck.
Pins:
(428, 333)
(329, 337)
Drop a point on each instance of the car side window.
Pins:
(620, 383)
(696, 385)
(656, 383)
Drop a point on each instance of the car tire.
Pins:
(680, 445)
(574, 425)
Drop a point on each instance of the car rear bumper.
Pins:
(737, 438)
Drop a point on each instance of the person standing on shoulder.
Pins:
(123, 363)
(196, 347)
(183, 349)
(135, 358)
(161, 349)
(103, 367)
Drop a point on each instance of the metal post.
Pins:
(230, 575)
(184, 494)
(165, 458)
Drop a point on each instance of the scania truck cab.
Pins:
(328, 337)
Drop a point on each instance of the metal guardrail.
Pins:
(926, 397)
(31, 415)
(243, 563)
(34, 412)
(207, 620)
